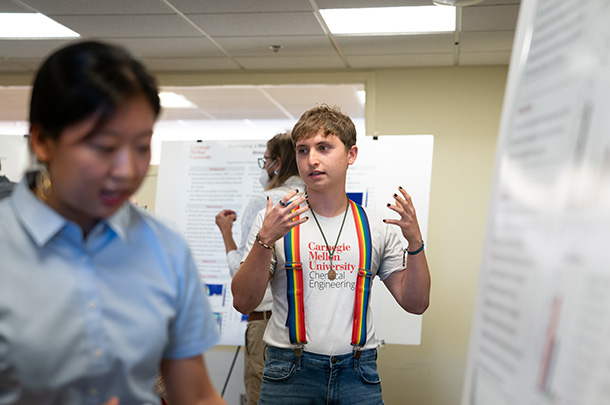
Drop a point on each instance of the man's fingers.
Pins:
(300, 211)
(400, 200)
(286, 200)
(391, 221)
(406, 196)
(299, 221)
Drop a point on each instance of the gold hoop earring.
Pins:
(43, 184)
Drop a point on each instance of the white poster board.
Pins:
(198, 179)
(14, 155)
(542, 319)
(382, 165)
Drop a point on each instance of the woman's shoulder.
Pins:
(6, 216)
(292, 183)
(143, 221)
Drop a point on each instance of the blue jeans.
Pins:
(318, 379)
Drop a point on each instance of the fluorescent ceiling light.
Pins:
(32, 25)
(389, 20)
(174, 100)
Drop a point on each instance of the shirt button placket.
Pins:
(92, 314)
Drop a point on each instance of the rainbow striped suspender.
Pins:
(294, 273)
(363, 282)
(294, 288)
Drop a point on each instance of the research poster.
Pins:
(198, 179)
(541, 324)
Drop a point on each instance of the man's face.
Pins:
(323, 161)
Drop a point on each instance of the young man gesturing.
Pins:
(321, 252)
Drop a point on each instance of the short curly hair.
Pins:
(330, 119)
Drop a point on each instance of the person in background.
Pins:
(6, 186)
(321, 252)
(279, 175)
(96, 296)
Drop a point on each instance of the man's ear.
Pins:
(352, 153)
(40, 143)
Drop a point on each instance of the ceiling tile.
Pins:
(290, 46)
(188, 64)
(292, 62)
(240, 6)
(486, 3)
(490, 18)
(131, 26)
(10, 7)
(367, 3)
(486, 41)
(397, 61)
(107, 7)
(263, 24)
(190, 47)
(396, 44)
(240, 35)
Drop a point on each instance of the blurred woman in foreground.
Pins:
(96, 296)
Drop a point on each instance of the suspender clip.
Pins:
(357, 352)
(365, 273)
(298, 350)
(293, 265)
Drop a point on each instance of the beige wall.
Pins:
(461, 107)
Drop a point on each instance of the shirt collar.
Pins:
(43, 223)
(40, 220)
(119, 221)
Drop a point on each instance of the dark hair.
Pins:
(281, 146)
(85, 78)
(330, 119)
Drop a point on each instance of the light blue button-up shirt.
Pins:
(82, 320)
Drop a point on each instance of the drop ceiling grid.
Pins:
(241, 33)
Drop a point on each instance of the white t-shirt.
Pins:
(329, 304)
